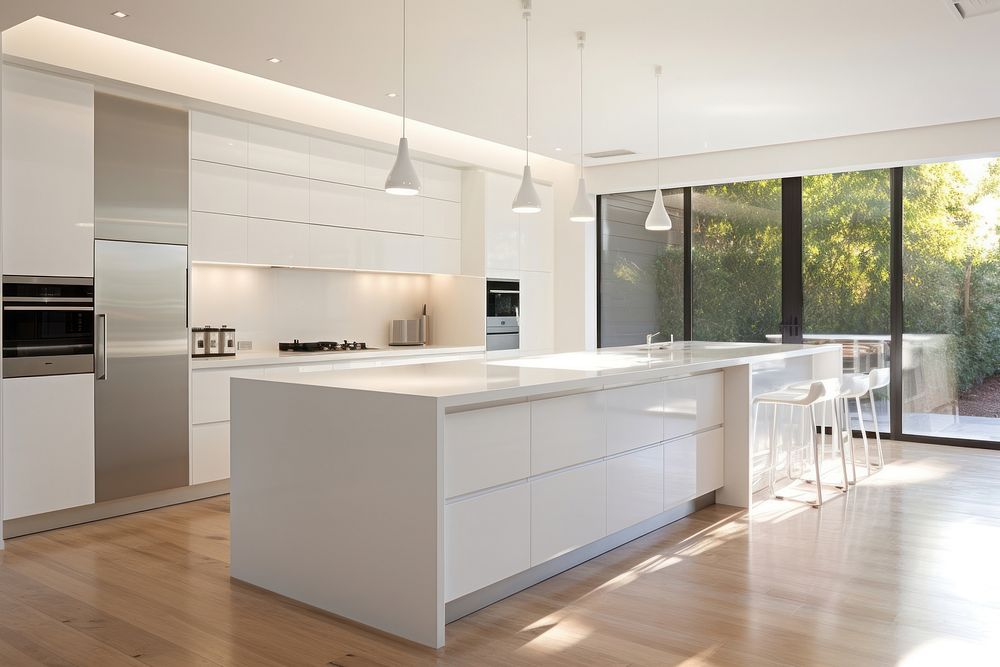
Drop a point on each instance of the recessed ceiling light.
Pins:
(390, 94)
(558, 150)
(119, 14)
(274, 60)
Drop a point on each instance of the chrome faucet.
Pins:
(650, 337)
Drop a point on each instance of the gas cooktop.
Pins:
(323, 346)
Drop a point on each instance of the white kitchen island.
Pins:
(405, 497)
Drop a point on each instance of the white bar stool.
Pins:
(877, 379)
(853, 386)
(805, 397)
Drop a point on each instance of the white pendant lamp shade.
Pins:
(582, 210)
(403, 179)
(658, 220)
(527, 199)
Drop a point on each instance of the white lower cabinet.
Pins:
(487, 539)
(486, 448)
(567, 430)
(635, 416)
(216, 237)
(277, 243)
(692, 404)
(692, 466)
(635, 487)
(568, 510)
(209, 452)
(210, 392)
(48, 463)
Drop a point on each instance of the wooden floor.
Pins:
(906, 571)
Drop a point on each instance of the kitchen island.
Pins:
(403, 498)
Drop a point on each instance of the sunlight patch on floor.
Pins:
(560, 636)
(951, 651)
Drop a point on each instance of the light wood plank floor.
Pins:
(906, 571)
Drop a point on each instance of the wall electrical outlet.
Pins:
(244, 345)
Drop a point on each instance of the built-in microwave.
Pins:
(48, 325)
(503, 308)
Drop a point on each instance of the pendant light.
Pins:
(658, 220)
(402, 178)
(527, 199)
(582, 210)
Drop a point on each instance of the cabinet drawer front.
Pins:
(210, 392)
(209, 452)
(484, 448)
(635, 487)
(218, 139)
(216, 237)
(692, 467)
(691, 404)
(486, 539)
(635, 416)
(568, 510)
(277, 196)
(218, 188)
(567, 430)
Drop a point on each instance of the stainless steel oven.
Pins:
(48, 325)
(503, 307)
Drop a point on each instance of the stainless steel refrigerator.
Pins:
(140, 298)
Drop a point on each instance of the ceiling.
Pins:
(736, 74)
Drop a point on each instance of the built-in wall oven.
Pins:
(503, 307)
(48, 326)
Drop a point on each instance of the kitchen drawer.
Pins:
(635, 416)
(442, 256)
(280, 151)
(442, 218)
(209, 452)
(692, 466)
(218, 139)
(692, 404)
(210, 392)
(567, 430)
(218, 188)
(334, 247)
(277, 243)
(440, 182)
(393, 213)
(339, 163)
(486, 539)
(218, 238)
(568, 510)
(635, 487)
(336, 204)
(277, 196)
(485, 448)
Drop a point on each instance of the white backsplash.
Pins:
(267, 305)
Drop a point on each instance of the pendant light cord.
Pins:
(527, 125)
(580, 39)
(404, 69)
(658, 72)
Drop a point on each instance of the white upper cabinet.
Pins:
(48, 175)
(442, 218)
(277, 196)
(218, 188)
(381, 251)
(393, 213)
(279, 151)
(336, 204)
(502, 227)
(277, 243)
(442, 255)
(340, 163)
(440, 182)
(334, 247)
(218, 238)
(536, 230)
(218, 139)
(377, 166)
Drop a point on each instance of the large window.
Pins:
(736, 250)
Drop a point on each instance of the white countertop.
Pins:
(274, 357)
(467, 382)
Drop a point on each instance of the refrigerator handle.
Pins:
(102, 347)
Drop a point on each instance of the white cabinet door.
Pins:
(277, 243)
(218, 238)
(218, 139)
(393, 213)
(635, 487)
(48, 463)
(441, 182)
(568, 510)
(209, 452)
(334, 247)
(218, 188)
(567, 430)
(336, 204)
(279, 151)
(442, 256)
(339, 163)
(692, 467)
(692, 404)
(48, 175)
(277, 196)
(442, 218)
(502, 227)
(635, 416)
(535, 238)
(485, 448)
(536, 319)
(486, 539)
(380, 251)
(210, 392)
(711, 461)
